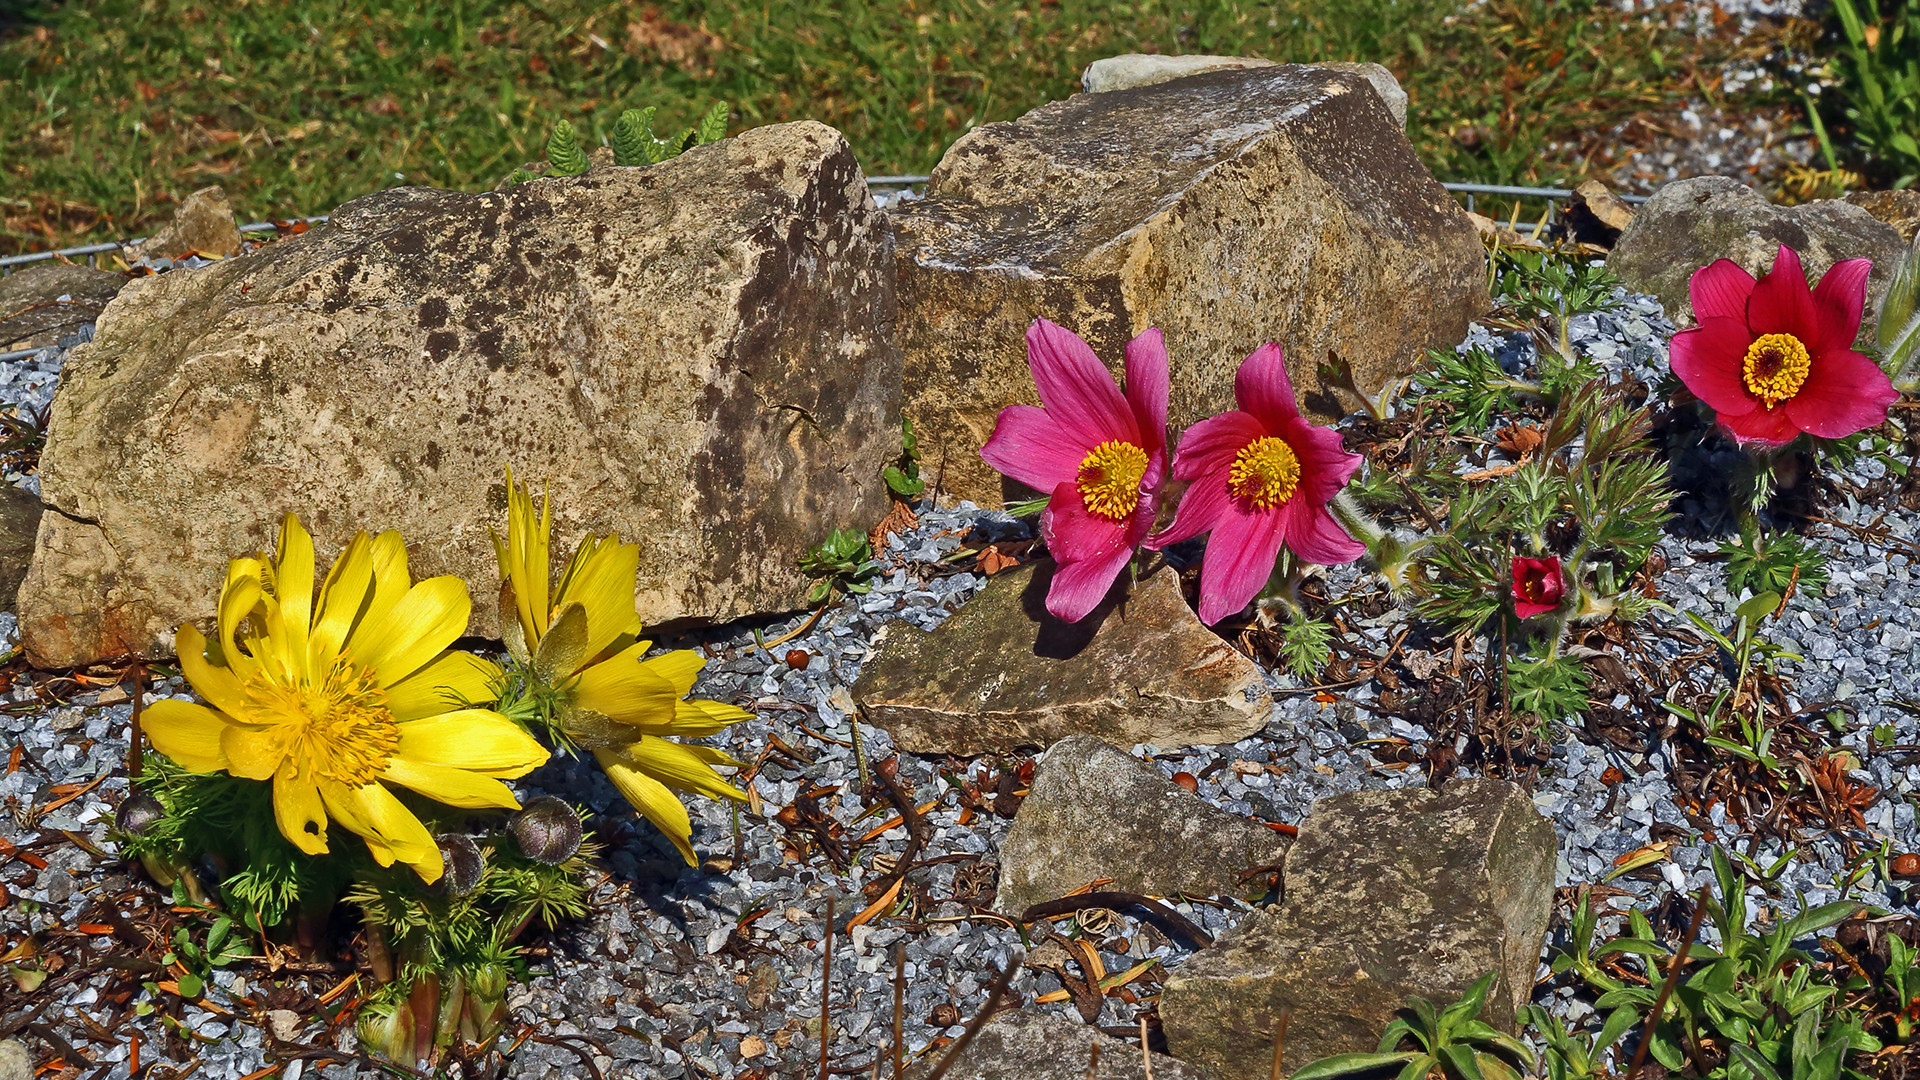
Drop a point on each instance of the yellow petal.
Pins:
(255, 753)
(391, 578)
(454, 787)
(294, 575)
(420, 627)
(371, 811)
(600, 578)
(455, 680)
(680, 667)
(651, 798)
(476, 739)
(187, 733)
(625, 688)
(696, 719)
(683, 767)
(298, 811)
(238, 599)
(523, 559)
(219, 685)
(342, 597)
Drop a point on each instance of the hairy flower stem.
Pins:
(1393, 555)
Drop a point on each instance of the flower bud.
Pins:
(138, 812)
(463, 864)
(547, 830)
(387, 1030)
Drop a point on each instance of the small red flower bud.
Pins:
(1538, 586)
(798, 659)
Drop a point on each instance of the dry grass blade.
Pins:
(1280, 1040)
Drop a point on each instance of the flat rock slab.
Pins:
(1022, 1045)
(1388, 895)
(47, 301)
(1690, 223)
(1002, 674)
(1900, 209)
(695, 355)
(1229, 208)
(1096, 812)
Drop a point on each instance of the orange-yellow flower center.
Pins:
(339, 730)
(1109, 479)
(1775, 368)
(1265, 473)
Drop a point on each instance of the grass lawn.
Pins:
(112, 110)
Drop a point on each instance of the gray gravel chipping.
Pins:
(652, 978)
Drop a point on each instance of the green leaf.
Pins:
(713, 126)
(1898, 307)
(1758, 607)
(217, 933)
(631, 135)
(190, 985)
(563, 151)
(1342, 1064)
(564, 648)
(1462, 1062)
(1469, 1005)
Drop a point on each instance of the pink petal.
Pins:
(1325, 465)
(1719, 290)
(1076, 388)
(1312, 533)
(1030, 446)
(1769, 426)
(1527, 609)
(1262, 387)
(1091, 551)
(1844, 393)
(1211, 444)
(1782, 304)
(1708, 359)
(1240, 558)
(1840, 297)
(1147, 386)
(1201, 507)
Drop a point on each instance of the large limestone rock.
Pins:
(47, 301)
(19, 524)
(1002, 673)
(1128, 70)
(203, 225)
(1022, 1045)
(1094, 812)
(1690, 223)
(1388, 894)
(1228, 208)
(1900, 209)
(695, 354)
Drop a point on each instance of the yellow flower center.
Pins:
(1775, 368)
(1265, 473)
(1109, 479)
(339, 730)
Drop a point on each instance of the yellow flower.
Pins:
(581, 643)
(334, 695)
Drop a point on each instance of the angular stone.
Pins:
(1388, 895)
(47, 301)
(1128, 70)
(1900, 209)
(1023, 1045)
(16, 1061)
(1001, 673)
(1228, 208)
(1095, 812)
(19, 524)
(694, 355)
(203, 223)
(1690, 223)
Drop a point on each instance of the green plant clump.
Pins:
(1878, 68)
(632, 140)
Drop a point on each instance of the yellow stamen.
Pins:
(1109, 479)
(340, 730)
(1775, 368)
(1265, 473)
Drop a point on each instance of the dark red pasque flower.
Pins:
(1538, 586)
(1774, 358)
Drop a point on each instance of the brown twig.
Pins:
(1166, 917)
(133, 723)
(998, 991)
(1666, 988)
(1280, 1040)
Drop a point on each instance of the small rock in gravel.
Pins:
(1022, 1045)
(15, 1062)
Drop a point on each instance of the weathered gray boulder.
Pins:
(1690, 223)
(1128, 70)
(694, 354)
(1022, 1045)
(47, 301)
(1900, 209)
(1228, 208)
(19, 524)
(1002, 673)
(1389, 894)
(1095, 812)
(203, 223)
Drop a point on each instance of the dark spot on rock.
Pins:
(433, 313)
(488, 344)
(432, 457)
(441, 343)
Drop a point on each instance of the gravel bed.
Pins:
(661, 981)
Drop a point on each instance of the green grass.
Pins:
(112, 110)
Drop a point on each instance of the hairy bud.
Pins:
(547, 830)
(463, 862)
(138, 812)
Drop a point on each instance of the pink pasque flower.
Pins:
(1774, 358)
(1101, 456)
(1259, 477)
(1538, 585)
